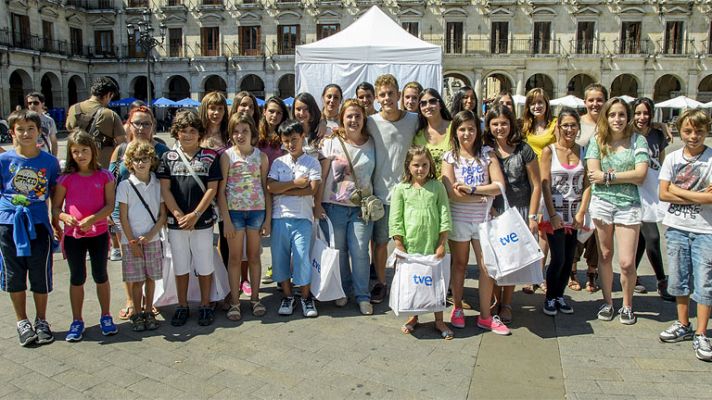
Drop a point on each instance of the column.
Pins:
(520, 83)
(691, 84)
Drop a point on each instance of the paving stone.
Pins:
(78, 380)
(47, 366)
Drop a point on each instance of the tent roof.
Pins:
(374, 38)
(681, 102)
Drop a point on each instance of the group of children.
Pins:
(438, 172)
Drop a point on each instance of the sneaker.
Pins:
(365, 307)
(341, 302)
(606, 312)
(44, 334)
(309, 307)
(563, 306)
(107, 325)
(246, 288)
(639, 287)
(206, 315)
(677, 332)
(378, 293)
(493, 324)
(662, 291)
(180, 316)
(550, 307)
(76, 331)
(25, 332)
(287, 306)
(703, 348)
(457, 318)
(138, 322)
(626, 316)
(267, 277)
(115, 255)
(150, 321)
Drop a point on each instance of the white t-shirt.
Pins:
(285, 169)
(471, 172)
(694, 175)
(392, 141)
(339, 185)
(139, 219)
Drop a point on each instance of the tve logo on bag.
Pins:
(511, 238)
(316, 265)
(423, 280)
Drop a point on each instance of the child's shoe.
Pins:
(287, 306)
(457, 318)
(626, 316)
(563, 306)
(206, 316)
(115, 255)
(25, 332)
(151, 323)
(44, 334)
(493, 324)
(606, 312)
(703, 348)
(107, 325)
(138, 322)
(550, 307)
(246, 288)
(267, 277)
(677, 332)
(76, 331)
(309, 307)
(180, 316)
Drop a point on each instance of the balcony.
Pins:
(411, 3)
(247, 4)
(136, 6)
(91, 5)
(169, 6)
(528, 47)
(633, 47)
(288, 4)
(34, 43)
(98, 52)
(585, 47)
(210, 5)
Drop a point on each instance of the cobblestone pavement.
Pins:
(342, 354)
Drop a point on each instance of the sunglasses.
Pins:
(432, 101)
(33, 103)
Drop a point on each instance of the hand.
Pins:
(579, 219)
(673, 189)
(461, 188)
(596, 177)
(57, 231)
(440, 252)
(266, 228)
(556, 223)
(68, 219)
(187, 221)
(136, 249)
(399, 246)
(229, 229)
(86, 223)
(319, 212)
(301, 182)
(708, 189)
(533, 226)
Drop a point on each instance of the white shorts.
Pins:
(608, 213)
(192, 248)
(464, 231)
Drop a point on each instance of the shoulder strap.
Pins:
(183, 158)
(143, 201)
(348, 158)
(121, 151)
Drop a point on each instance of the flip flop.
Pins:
(505, 319)
(446, 334)
(408, 329)
(126, 313)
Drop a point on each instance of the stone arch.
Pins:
(577, 84)
(76, 90)
(176, 88)
(543, 81)
(138, 88)
(253, 84)
(625, 84)
(495, 82)
(286, 86)
(704, 89)
(666, 87)
(51, 88)
(214, 83)
(20, 84)
(452, 82)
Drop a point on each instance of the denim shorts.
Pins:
(608, 213)
(252, 219)
(690, 261)
(380, 228)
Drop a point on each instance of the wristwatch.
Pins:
(532, 217)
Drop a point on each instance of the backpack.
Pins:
(89, 124)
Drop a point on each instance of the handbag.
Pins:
(507, 238)
(420, 283)
(371, 206)
(326, 272)
(200, 183)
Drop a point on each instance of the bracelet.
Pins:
(613, 177)
(197, 213)
(132, 242)
(473, 189)
(532, 217)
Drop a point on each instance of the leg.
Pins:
(683, 309)
(702, 274)
(486, 283)
(40, 305)
(150, 287)
(253, 260)
(19, 304)
(76, 252)
(339, 217)
(649, 231)
(359, 233)
(201, 248)
(182, 289)
(181, 258)
(627, 238)
(98, 247)
(440, 326)
(205, 282)
(281, 250)
(234, 265)
(137, 294)
(460, 252)
(557, 243)
(640, 249)
(605, 265)
(381, 239)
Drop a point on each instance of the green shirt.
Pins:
(623, 194)
(437, 150)
(419, 215)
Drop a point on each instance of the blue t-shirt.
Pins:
(35, 178)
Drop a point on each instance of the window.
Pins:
(499, 38)
(138, 3)
(412, 27)
(173, 3)
(250, 41)
(48, 43)
(21, 31)
(584, 37)
(175, 42)
(541, 43)
(104, 43)
(453, 37)
(288, 38)
(630, 38)
(135, 50)
(212, 2)
(326, 30)
(210, 41)
(709, 40)
(76, 40)
(673, 37)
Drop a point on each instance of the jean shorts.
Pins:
(690, 265)
(608, 213)
(380, 228)
(252, 219)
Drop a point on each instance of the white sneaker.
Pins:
(365, 307)
(287, 306)
(341, 302)
(115, 255)
(309, 307)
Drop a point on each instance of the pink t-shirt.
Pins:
(85, 196)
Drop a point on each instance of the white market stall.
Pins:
(371, 46)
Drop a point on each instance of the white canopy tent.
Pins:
(679, 102)
(568, 101)
(371, 46)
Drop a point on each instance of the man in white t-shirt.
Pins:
(393, 131)
(47, 140)
(686, 183)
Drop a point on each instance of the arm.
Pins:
(189, 220)
(109, 196)
(228, 228)
(134, 244)
(666, 195)
(445, 221)
(452, 186)
(396, 223)
(311, 190)
(580, 216)
(267, 225)
(545, 163)
(57, 214)
(53, 139)
(114, 161)
(275, 187)
(318, 208)
(535, 183)
(160, 222)
(169, 200)
(704, 197)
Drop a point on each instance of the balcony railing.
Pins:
(33, 42)
(102, 52)
(138, 3)
(633, 47)
(585, 47)
(531, 47)
(91, 4)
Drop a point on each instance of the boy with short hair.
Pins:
(393, 131)
(686, 183)
(28, 177)
(293, 180)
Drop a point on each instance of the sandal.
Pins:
(155, 311)
(409, 327)
(591, 285)
(258, 309)
(446, 334)
(574, 283)
(530, 289)
(126, 313)
(234, 314)
(506, 319)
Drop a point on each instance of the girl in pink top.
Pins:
(83, 200)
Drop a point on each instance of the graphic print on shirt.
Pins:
(688, 177)
(31, 182)
(343, 184)
(473, 174)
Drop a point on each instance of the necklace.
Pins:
(695, 158)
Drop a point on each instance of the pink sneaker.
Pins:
(493, 324)
(246, 288)
(457, 318)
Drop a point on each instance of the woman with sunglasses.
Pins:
(434, 126)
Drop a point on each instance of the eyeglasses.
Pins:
(142, 125)
(569, 126)
(144, 160)
(432, 101)
(33, 103)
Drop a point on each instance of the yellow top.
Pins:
(538, 142)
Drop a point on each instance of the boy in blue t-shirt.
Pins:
(27, 180)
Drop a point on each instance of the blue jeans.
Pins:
(291, 241)
(690, 261)
(351, 236)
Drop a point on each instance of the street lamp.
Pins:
(143, 32)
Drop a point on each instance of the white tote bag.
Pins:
(420, 283)
(508, 237)
(653, 210)
(326, 273)
(585, 232)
